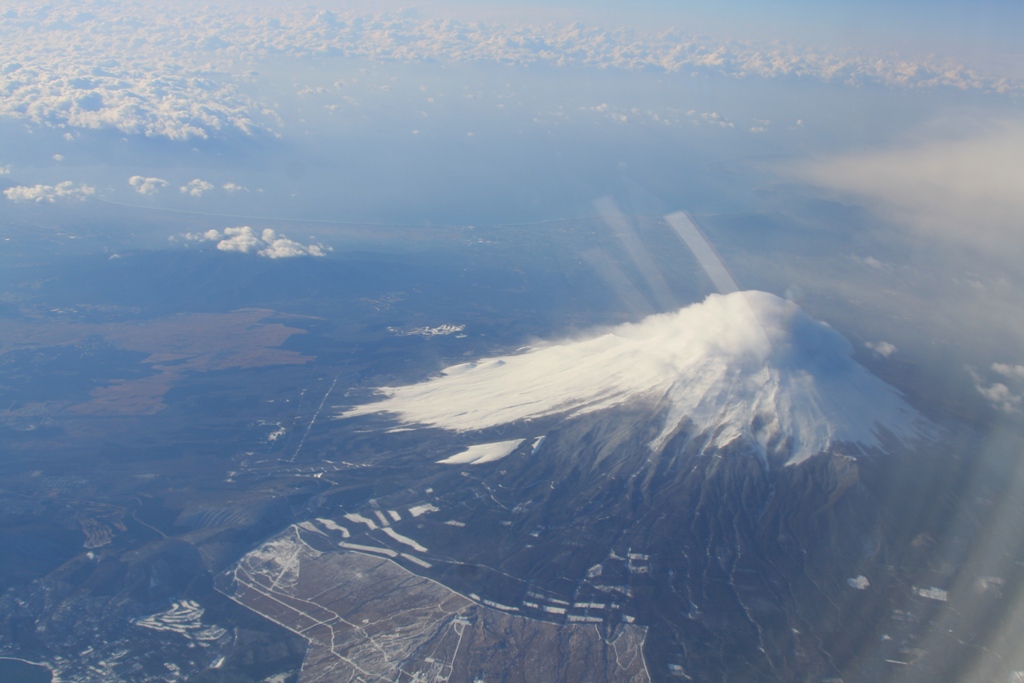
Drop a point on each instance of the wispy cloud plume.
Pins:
(965, 188)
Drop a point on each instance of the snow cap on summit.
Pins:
(746, 365)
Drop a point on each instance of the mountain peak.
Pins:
(742, 366)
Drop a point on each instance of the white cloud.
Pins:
(144, 185)
(267, 244)
(239, 239)
(49, 193)
(5, 169)
(234, 187)
(63, 67)
(58, 157)
(196, 188)
(882, 348)
(66, 68)
(1000, 396)
(871, 262)
(1009, 371)
(1007, 395)
(279, 246)
(746, 366)
(715, 119)
(964, 187)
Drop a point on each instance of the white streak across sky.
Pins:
(704, 252)
(743, 366)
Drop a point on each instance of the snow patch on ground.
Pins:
(309, 526)
(404, 539)
(418, 510)
(481, 453)
(334, 526)
(368, 549)
(416, 560)
(426, 331)
(932, 593)
(184, 617)
(359, 519)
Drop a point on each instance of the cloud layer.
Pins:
(744, 366)
(64, 64)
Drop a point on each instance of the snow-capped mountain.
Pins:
(634, 476)
(747, 367)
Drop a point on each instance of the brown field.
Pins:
(179, 344)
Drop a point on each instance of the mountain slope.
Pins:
(655, 495)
